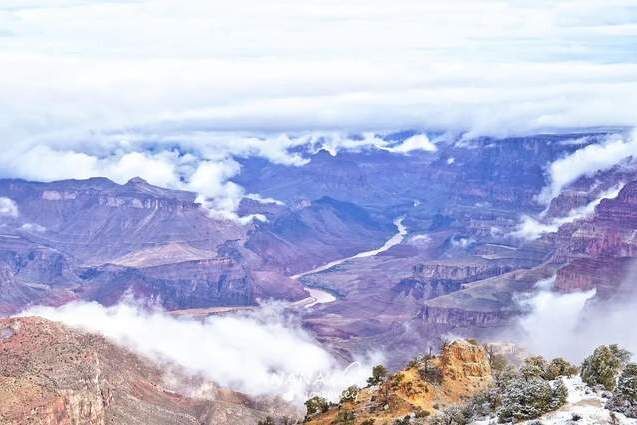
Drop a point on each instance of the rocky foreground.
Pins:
(468, 383)
(461, 370)
(50, 374)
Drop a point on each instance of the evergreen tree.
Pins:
(604, 365)
(624, 398)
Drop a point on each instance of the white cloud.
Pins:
(200, 162)
(158, 169)
(220, 196)
(577, 324)
(558, 312)
(218, 80)
(33, 227)
(164, 168)
(45, 163)
(263, 200)
(418, 142)
(314, 65)
(259, 353)
(532, 228)
(587, 161)
(8, 207)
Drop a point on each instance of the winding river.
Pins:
(319, 296)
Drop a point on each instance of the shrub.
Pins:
(316, 405)
(530, 398)
(345, 417)
(397, 379)
(503, 378)
(267, 421)
(379, 373)
(454, 415)
(350, 394)
(431, 373)
(498, 362)
(559, 367)
(537, 367)
(604, 365)
(534, 367)
(421, 413)
(484, 403)
(624, 398)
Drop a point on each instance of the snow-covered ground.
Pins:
(583, 402)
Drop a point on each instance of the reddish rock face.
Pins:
(50, 374)
(464, 370)
(598, 251)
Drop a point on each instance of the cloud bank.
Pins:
(315, 65)
(259, 353)
(588, 161)
(207, 81)
(531, 228)
(569, 325)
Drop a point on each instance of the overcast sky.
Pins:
(88, 81)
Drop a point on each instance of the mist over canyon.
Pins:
(317, 211)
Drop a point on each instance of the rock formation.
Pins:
(53, 375)
(426, 386)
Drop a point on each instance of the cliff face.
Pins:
(190, 284)
(461, 370)
(441, 277)
(95, 239)
(53, 375)
(599, 250)
(56, 247)
(97, 221)
(485, 304)
(450, 318)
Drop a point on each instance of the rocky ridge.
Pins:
(51, 374)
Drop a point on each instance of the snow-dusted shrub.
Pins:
(316, 405)
(534, 367)
(530, 398)
(604, 365)
(559, 367)
(454, 415)
(624, 398)
(349, 394)
(538, 367)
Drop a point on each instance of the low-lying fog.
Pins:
(259, 353)
(572, 325)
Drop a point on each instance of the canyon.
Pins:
(369, 250)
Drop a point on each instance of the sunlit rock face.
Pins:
(464, 371)
(51, 374)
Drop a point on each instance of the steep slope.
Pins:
(50, 374)
(461, 370)
(599, 250)
(97, 221)
(315, 232)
